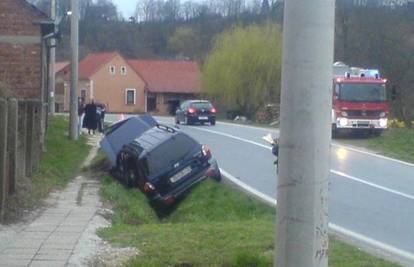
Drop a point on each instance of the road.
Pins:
(371, 197)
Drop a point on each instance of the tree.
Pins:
(265, 7)
(244, 68)
(186, 42)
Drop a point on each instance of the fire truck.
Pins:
(359, 100)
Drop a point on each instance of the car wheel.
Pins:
(218, 177)
(130, 178)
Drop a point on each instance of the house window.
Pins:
(112, 70)
(123, 70)
(130, 96)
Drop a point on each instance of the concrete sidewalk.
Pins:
(60, 236)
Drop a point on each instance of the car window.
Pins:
(201, 105)
(170, 152)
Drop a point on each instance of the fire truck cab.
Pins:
(359, 100)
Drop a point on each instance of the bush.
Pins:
(395, 123)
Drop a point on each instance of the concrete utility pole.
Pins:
(73, 131)
(52, 82)
(305, 136)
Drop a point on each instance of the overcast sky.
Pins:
(126, 7)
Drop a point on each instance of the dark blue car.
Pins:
(164, 163)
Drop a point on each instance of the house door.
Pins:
(173, 106)
(151, 103)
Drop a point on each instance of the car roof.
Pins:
(155, 136)
(202, 101)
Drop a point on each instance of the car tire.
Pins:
(130, 180)
(218, 177)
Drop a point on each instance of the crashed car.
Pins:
(161, 161)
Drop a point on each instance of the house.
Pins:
(23, 49)
(132, 86)
(60, 86)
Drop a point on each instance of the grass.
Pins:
(396, 143)
(57, 167)
(214, 226)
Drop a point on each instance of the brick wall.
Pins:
(20, 69)
(16, 18)
(20, 64)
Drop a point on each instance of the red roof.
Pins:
(169, 76)
(160, 76)
(61, 65)
(93, 63)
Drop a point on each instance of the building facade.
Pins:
(24, 49)
(132, 86)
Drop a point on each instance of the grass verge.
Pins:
(215, 225)
(57, 167)
(396, 143)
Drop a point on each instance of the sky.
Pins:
(126, 7)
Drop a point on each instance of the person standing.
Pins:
(81, 111)
(90, 120)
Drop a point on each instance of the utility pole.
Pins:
(305, 138)
(74, 32)
(52, 59)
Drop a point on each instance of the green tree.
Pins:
(244, 69)
(186, 42)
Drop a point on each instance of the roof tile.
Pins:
(164, 76)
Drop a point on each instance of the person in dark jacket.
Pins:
(90, 120)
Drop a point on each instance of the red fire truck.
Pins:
(359, 100)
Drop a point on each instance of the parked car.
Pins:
(193, 111)
(161, 161)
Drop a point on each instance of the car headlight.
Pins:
(383, 114)
(344, 113)
(383, 123)
(343, 121)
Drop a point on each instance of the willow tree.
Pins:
(243, 70)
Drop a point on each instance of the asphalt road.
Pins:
(371, 197)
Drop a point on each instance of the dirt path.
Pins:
(64, 233)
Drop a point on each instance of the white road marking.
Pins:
(234, 137)
(333, 144)
(373, 185)
(334, 227)
(248, 188)
(374, 243)
(249, 126)
(373, 154)
(389, 190)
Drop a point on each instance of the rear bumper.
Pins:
(346, 123)
(170, 197)
(201, 118)
(212, 171)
